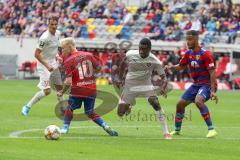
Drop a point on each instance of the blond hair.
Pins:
(67, 41)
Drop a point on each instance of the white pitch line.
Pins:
(189, 138)
(136, 138)
(17, 134)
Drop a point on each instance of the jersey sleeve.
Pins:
(208, 60)
(128, 54)
(96, 62)
(184, 60)
(158, 67)
(41, 43)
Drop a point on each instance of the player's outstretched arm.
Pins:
(169, 68)
(66, 85)
(123, 71)
(39, 57)
(163, 86)
(212, 73)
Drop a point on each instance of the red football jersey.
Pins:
(81, 67)
(199, 63)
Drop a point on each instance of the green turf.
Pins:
(140, 136)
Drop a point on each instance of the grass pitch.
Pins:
(140, 135)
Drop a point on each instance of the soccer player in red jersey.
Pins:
(202, 70)
(80, 69)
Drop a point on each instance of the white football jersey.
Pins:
(49, 44)
(141, 69)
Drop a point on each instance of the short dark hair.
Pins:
(192, 33)
(145, 41)
(53, 18)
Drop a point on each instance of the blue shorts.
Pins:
(194, 90)
(76, 103)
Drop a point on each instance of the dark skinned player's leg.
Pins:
(153, 101)
(123, 109)
(200, 103)
(180, 111)
(127, 99)
(58, 87)
(187, 98)
(202, 96)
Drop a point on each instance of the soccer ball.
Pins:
(52, 132)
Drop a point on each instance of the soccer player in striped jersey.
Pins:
(201, 65)
(80, 68)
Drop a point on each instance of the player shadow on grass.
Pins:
(109, 102)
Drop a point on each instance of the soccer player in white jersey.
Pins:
(45, 53)
(141, 64)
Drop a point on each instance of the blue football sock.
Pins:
(97, 119)
(206, 116)
(68, 116)
(178, 120)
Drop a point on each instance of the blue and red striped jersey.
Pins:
(81, 67)
(199, 64)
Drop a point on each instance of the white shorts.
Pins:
(133, 89)
(44, 74)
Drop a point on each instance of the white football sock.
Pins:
(37, 97)
(163, 120)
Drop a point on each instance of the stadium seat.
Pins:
(117, 22)
(90, 21)
(84, 28)
(126, 35)
(132, 9)
(111, 29)
(110, 21)
(92, 35)
(75, 15)
(178, 17)
(125, 28)
(91, 28)
(83, 21)
(118, 28)
(147, 29)
(150, 16)
(85, 35)
(28, 67)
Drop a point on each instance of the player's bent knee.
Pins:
(153, 101)
(199, 102)
(47, 91)
(121, 110)
(120, 114)
(181, 104)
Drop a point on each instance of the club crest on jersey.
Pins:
(197, 57)
(41, 44)
(149, 64)
(194, 64)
